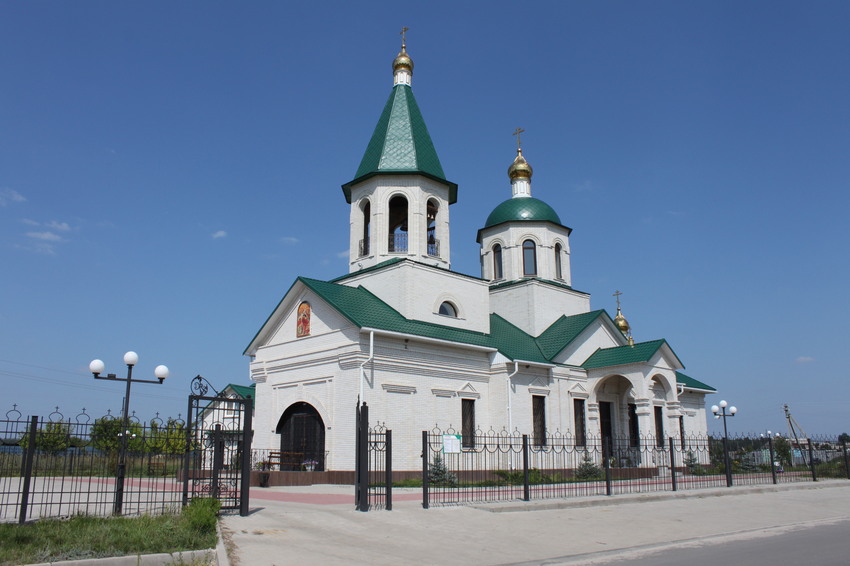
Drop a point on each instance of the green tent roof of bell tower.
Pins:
(401, 145)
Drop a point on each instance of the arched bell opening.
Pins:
(365, 241)
(431, 214)
(398, 224)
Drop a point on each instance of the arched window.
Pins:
(367, 218)
(433, 242)
(529, 258)
(498, 272)
(448, 309)
(558, 272)
(398, 224)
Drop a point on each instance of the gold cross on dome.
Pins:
(404, 30)
(617, 294)
(517, 133)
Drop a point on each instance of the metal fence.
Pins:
(57, 467)
(373, 464)
(500, 466)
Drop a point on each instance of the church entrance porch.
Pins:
(302, 439)
(621, 418)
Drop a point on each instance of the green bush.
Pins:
(439, 474)
(510, 477)
(588, 470)
(517, 477)
(833, 469)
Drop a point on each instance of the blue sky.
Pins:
(167, 170)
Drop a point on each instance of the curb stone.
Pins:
(604, 500)
(216, 556)
(162, 559)
(221, 558)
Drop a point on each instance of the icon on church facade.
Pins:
(303, 325)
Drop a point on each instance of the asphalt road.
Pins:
(796, 525)
(813, 545)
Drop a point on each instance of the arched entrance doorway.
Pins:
(619, 428)
(302, 438)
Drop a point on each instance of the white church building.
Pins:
(516, 348)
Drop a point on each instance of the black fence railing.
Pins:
(380, 468)
(373, 473)
(502, 466)
(57, 467)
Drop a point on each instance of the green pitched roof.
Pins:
(522, 209)
(366, 310)
(401, 144)
(621, 355)
(692, 383)
(565, 330)
(513, 342)
(244, 391)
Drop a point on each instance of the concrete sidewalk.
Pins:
(318, 525)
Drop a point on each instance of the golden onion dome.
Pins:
(520, 169)
(403, 61)
(621, 322)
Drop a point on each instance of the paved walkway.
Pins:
(318, 525)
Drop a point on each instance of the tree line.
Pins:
(106, 434)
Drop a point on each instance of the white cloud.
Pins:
(53, 225)
(45, 236)
(804, 360)
(342, 255)
(8, 195)
(584, 187)
(289, 240)
(45, 248)
(61, 226)
(219, 234)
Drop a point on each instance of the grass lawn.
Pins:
(90, 537)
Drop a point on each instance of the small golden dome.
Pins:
(621, 322)
(403, 61)
(520, 169)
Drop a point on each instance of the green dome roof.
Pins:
(522, 209)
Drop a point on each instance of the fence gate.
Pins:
(217, 462)
(373, 484)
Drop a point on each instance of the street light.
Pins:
(718, 413)
(97, 367)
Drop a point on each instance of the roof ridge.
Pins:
(644, 343)
(532, 339)
(555, 331)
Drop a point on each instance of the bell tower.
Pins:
(400, 196)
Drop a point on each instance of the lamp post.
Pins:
(97, 367)
(718, 413)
